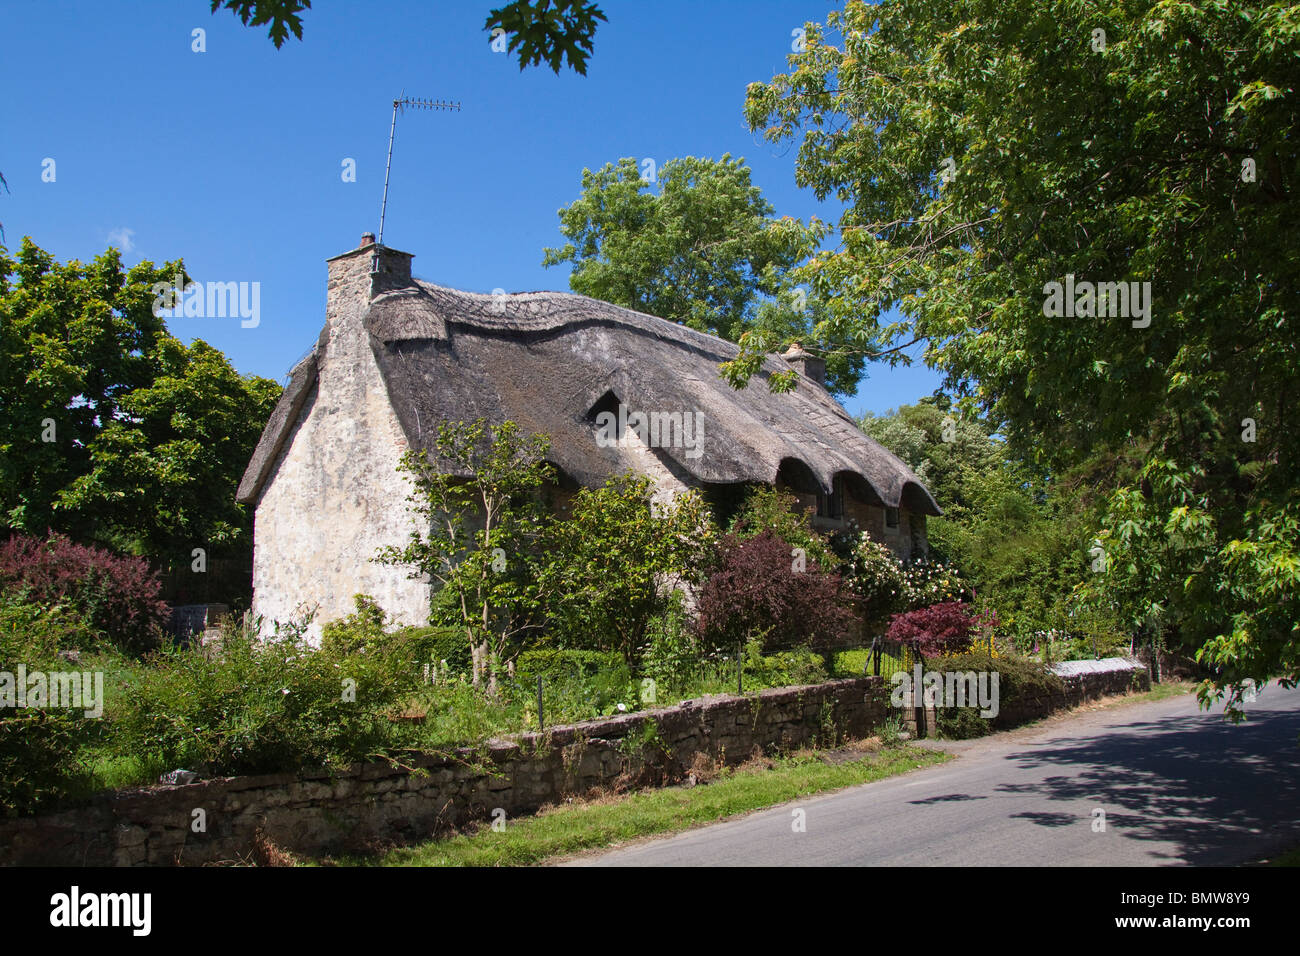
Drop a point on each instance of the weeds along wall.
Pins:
(379, 803)
(369, 804)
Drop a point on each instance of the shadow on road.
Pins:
(1212, 788)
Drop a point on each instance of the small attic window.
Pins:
(891, 517)
(606, 403)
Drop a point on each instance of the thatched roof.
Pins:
(546, 359)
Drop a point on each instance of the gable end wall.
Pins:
(334, 496)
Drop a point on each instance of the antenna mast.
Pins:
(401, 103)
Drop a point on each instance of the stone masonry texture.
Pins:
(369, 805)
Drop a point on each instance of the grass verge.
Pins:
(597, 823)
(1164, 691)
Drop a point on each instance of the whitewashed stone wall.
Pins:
(334, 496)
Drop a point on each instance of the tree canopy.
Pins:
(111, 429)
(694, 241)
(557, 31)
(1086, 211)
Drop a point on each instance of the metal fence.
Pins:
(886, 658)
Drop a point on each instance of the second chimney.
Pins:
(806, 364)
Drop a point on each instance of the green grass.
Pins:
(588, 825)
(1162, 692)
(853, 663)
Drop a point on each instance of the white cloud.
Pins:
(122, 238)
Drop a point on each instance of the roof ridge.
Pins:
(608, 310)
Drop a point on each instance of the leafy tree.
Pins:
(550, 30)
(1019, 537)
(943, 446)
(282, 15)
(477, 498)
(794, 316)
(984, 151)
(704, 250)
(111, 430)
(189, 432)
(614, 562)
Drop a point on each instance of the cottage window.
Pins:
(832, 505)
(891, 517)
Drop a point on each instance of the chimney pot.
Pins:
(367, 239)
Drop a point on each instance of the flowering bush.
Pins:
(928, 582)
(116, 595)
(876, 576)
(888, 586)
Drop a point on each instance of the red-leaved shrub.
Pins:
(945, 628)
(758, 589)
(116, 595)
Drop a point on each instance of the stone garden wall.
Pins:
(377, 803)
(219, 820)
(1084, 681)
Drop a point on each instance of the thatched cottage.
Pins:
(615, 390)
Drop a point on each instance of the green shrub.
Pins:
(559, 664)
(786, 669)
(606, 563)
(361, 630)
(437, 645)
(258, 706)
(39, 746)
(577, 685)
(672, 656)
(1020, 680)
(369, 630)
(453, 712)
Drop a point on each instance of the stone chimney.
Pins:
(361, 274)
(806, 363)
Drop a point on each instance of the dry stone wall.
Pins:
(378, 803)
(373, 804)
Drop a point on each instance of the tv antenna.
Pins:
(400, 104)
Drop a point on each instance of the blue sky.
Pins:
(232, 158)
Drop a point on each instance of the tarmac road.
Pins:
(1178, 786)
